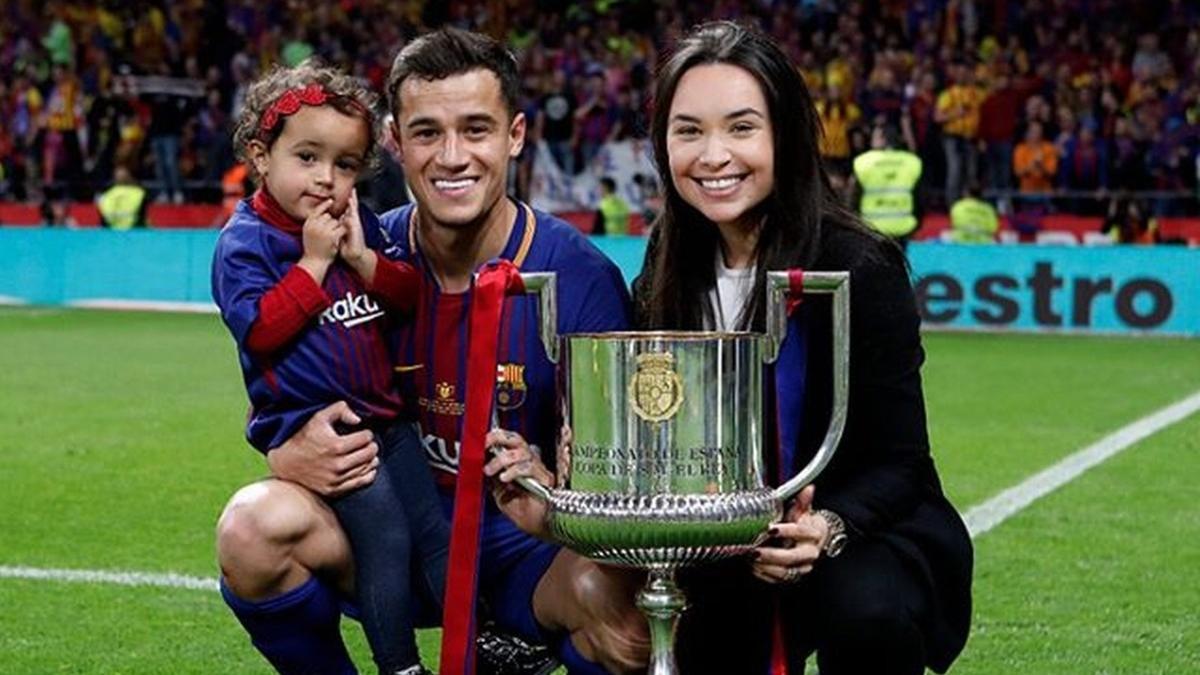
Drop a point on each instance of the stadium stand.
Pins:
(154, 85)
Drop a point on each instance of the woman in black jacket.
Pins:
(872, 568)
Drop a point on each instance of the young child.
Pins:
(309, 303)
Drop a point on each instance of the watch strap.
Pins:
(836, 540)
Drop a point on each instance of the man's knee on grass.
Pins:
(614, 632)
(620, 649)
(260, 534)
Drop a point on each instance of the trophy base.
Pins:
(662, 531)
(662, 602)
(666, 557)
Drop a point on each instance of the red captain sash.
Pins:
(497, 280)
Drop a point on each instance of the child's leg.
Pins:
(377, 526)
(403, 459)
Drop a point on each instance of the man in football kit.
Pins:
(453, 98)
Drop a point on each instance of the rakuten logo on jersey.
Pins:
(352, 310)
(443, 454)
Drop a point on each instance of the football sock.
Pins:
(297, 631)
(574, 661)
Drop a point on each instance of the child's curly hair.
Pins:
(347, 95)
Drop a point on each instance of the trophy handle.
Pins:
(779, 288)
(543, 285)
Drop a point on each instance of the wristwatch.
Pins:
(837, 533)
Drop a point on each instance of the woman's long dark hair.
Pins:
(680, 259)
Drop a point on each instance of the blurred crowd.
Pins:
(1064, 98)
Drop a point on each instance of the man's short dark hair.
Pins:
(453, 51)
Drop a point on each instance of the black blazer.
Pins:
(882, 479)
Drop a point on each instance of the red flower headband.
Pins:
(290, 101)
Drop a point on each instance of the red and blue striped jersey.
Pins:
(432, 350)
(342, 354)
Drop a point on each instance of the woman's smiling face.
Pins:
(721, 144)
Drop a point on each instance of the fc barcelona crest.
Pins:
(510, 385)
(656, 392)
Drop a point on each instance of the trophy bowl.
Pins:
(660, 460)
(664, 467)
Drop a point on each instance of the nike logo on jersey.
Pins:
(393, 252)
(351, 311)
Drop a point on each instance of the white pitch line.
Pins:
(145, 305)
(985, 516)
(162, 580)
(979, 519)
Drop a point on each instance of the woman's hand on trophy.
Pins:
(513, 459)
(795, 543)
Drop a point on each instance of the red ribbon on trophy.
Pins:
(778, 645)
(494, 283)
(795, 289)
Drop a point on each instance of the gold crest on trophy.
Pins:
(656, 392)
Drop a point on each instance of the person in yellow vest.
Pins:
(612, 216)
(123, 206)
(887, 177)
(973, 220)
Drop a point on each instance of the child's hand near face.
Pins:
(354, 246)
(322, 237)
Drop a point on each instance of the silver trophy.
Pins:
(662, 460)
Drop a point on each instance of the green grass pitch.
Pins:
(120, 440)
